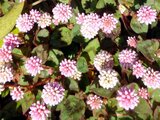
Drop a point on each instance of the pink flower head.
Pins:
(146, 15)
(91, 25)
(132, 42)
(38, 111)
(103, 60)
(45, 20)
(17, 93)
(127, 58)
(108, 23)
(34, 65)
(151, 78)
(24, 23)
(53, 93)
(5, 55)
(6, 73)
(35, 15)
(61, 13)
(94, 101)
(143, 93)
(80, 18)
(68, 67)
(127, 98)
(11, 41)
(138, 69)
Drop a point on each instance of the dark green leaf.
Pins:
(82, 65)
(73, 85)
(157, 113)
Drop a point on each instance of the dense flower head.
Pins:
(132, 42)
(127, 98)
(103, 60)
(5, 55)
(80, 18)
(146, 15)
(45, 20)
(1, 88)
(151, 78)
(143, 93)
(94, 101)
(108, 78)
(90, 26)
(53, 93)
(24, 23)
(34, 65)
(17, 93)
(138, 69)
(127, 58)
(39, 111)
(11, 41)
(61, 13)
(6, 73)
(108, 23)
(35, 15)
(77, 75)
(68, 67)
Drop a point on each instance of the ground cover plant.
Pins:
(79, 60)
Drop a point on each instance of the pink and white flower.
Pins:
(17, 93)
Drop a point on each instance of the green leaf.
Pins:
(61, 37)
(103, 92)
(73, 109)
(4, 93)
(43, 33)
(17, 52)
(143, 110)
(75, 30)
(92, 48)
(27, 101)
(8, 21)
(138, 27)
(73, 85)
(156, 95)
(5, 6)
(148, 48)
(42, 52)
(55, 56)
(82, 65)
(23, 81)
(100, 4)
(127, 3)
(157, 113)
(64, 1)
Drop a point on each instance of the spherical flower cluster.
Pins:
(17, 93)
(143, 93)
(151, 78)
(6, 73)
(94, 101)
(146, 15)
(5, 55)
(53, 93)
(80, 18)
(77, 75)
(90, 26)
(38, 111)
(44, 20)
(108, 78)
(138, 69)
(24, 23)
(1, 88)
(61, 13)
(132, 42)
(34, 65)
(35, 15)
(127, 58)
(68, 67)
(11, 41)
(108, 23)
(127, 98)
(103, 60)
